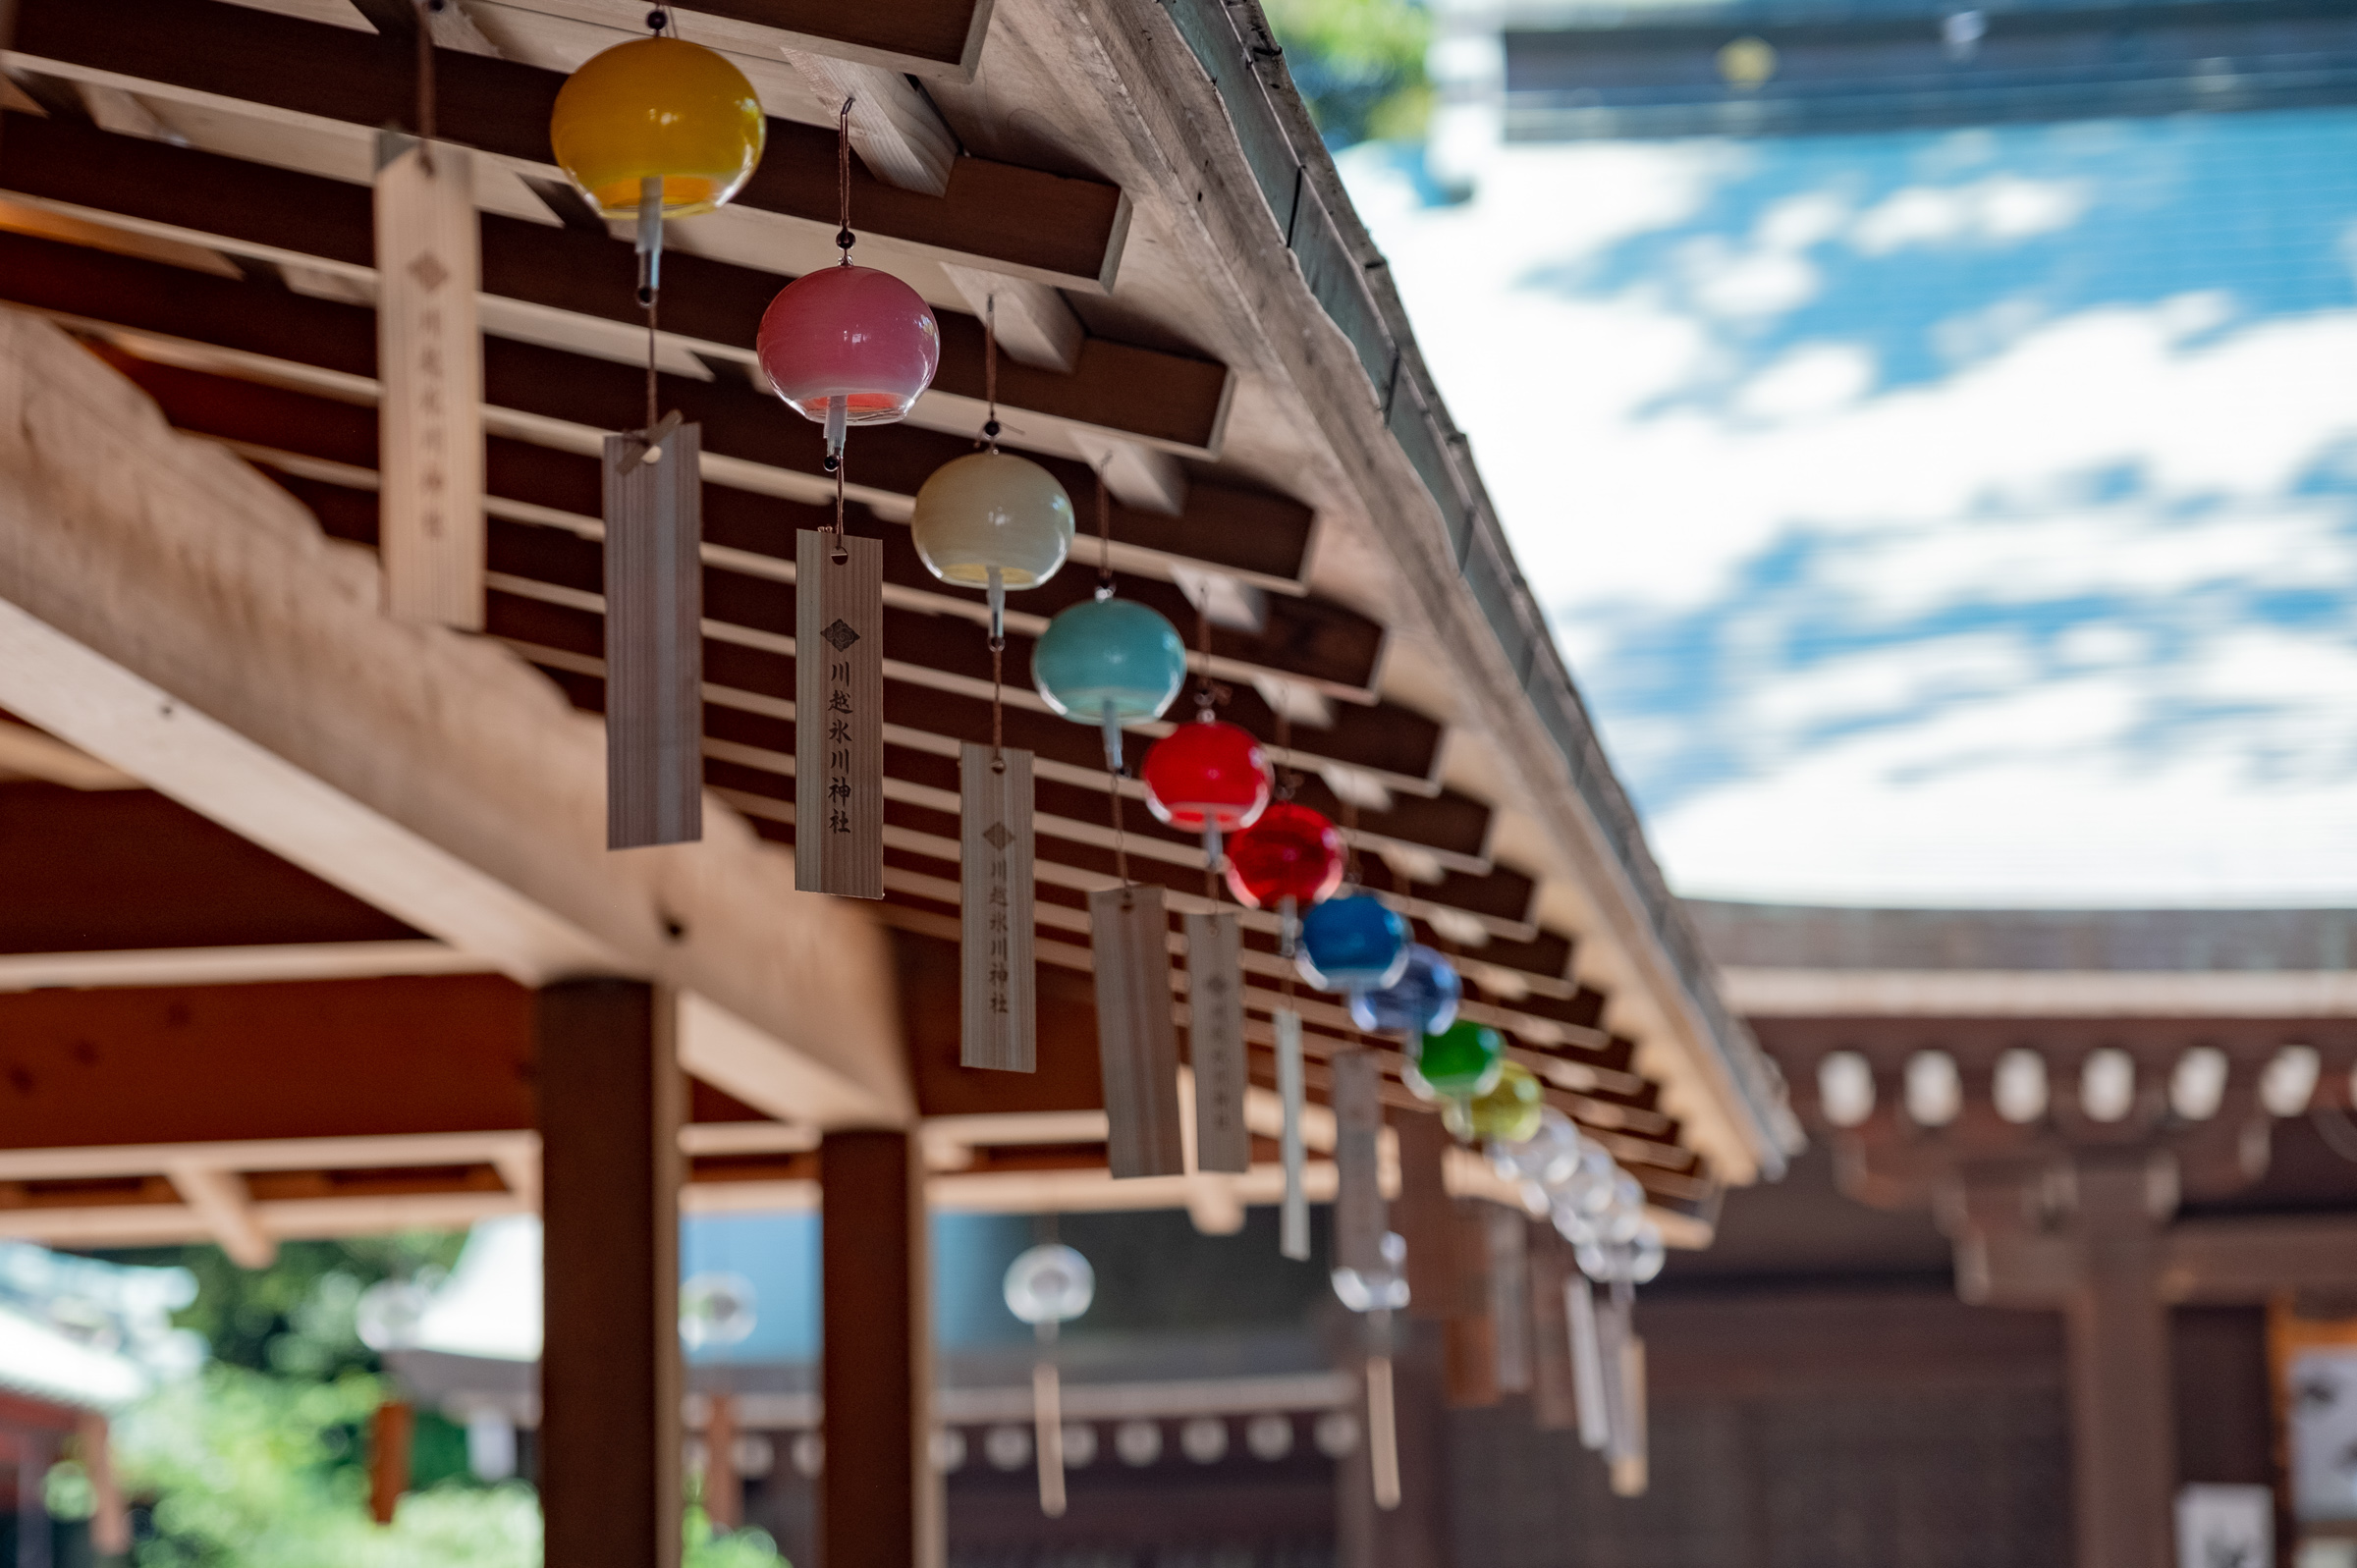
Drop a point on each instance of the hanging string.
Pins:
(1350, 841)
(990, 371)
(425, 85)
(1286, 779)
(1120, 845)
(652, 417)
(844, 237)
(998, 727)
(1104, 536)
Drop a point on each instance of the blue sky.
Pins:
(1963, 516)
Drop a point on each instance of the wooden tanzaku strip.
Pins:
(1594, 1409)
(430, 375)
(654, 638)
(1137, 1046)
(998, 987)
(1509, 1295)
(1058, 228)
(1358, 1210)
(1292, 1213)
(839, 716)
(1169, 400)
(1215, 1001)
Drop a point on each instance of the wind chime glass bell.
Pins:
(1355, 942)
(1109, 662)
(849, 346)
(657, 109)
(994, 522)
(1208, 778)
(1291, 852)
(1508, 1112)
(1421, 1002)
(1462, 1061)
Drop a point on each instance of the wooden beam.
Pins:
(881, 1500)
(893, 127)
(941, 39)
(1165, 401)
(145, 579)
(550, 397)
(219, 1198)
(611, 1376)
(1057, 229)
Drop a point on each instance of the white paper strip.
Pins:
(998, 1026)
(1587, 1362)
(1358, 1212)
(1509, 1295)
(1137, 1046)
(1292, 1215)
(1383, 1432)
(431, 383)
(1215, 999)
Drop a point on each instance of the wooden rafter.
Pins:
(551, 395)
(1165, 400)
(1058, 228)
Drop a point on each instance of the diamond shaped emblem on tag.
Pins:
(997, 836)
(841, 635)
(428, 270)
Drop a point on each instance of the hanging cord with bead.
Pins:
(990, 372)
(844, 237)
(1104, 534)
(1350, 841)
(1121, 844)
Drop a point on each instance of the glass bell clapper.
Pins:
(1208, 778)
(994, 522)
(1048, 1286)
(1109, 662)
(1353, 943)
(1421, 1002)
(1375, 1294)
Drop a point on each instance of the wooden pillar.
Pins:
(2123, 1460)
(880, 1500)
(610, 1368)
(390, 1432)
(1414, 1535)
(724, 1487)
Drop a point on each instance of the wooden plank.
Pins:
(611, 1376)
(1248, 533)
(1167, 401)
(880, 1498)
(1061, 229)
(940, 39)
(1138, 1049)
(839, 728)
(1035, 326)
(1215, 1001)
(1357, 1093)
(422, 771)
(431, 383)
(999, 998)
(1426, 1218)
(654, 582)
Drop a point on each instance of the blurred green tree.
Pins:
(1359, 64)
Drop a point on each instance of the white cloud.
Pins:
(2002, 210)
(2048, 681)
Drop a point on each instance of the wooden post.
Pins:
(2122, 1437)
(610, 1369)
(1424, 1216)
(724, 1487)
(389, 1433)
(880, 1499)
(110, 1521)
